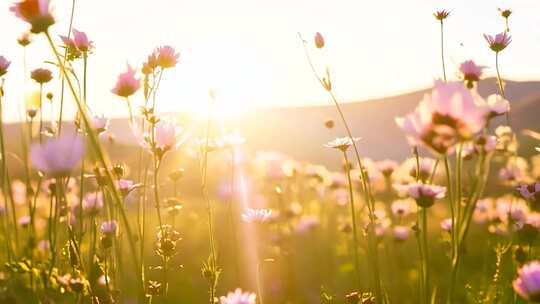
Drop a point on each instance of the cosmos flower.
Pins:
(127, 83)
(471, 72)
(527, 284)
(446, 224)
(448, 115)
(24, 39)
(58, 156)
(92, 202)
(341, 143)
(238, 297)
(4, 65)
(425, 194)
(441, 15)
(403, 207)
(100, 124)
(41, 76)
(387, 166)
(531, 192)
(24, 221)
(77, 45)
(498, 42)
(166, 135)
(166, 57)
(401, 233)
(36, 12)
(109, 227)
(319, 40)
(256, 215)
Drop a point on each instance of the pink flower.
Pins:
(166, 57)
(166, 135)
(401, 233)
(41, 76)
(449, 115)
(403, 207)
(24, 39)
(4, 65)
(319, 40)
(425, 194)
(109, 227)
(35, 12)
(306, 224)
(100, 124)
(531, 192)
(126, 186)
(238, 297)
(441, 15)
(127, 83)
(471, 72)
(58, 156)
(527, 284)
(446, 224)
(499, 42)
(92, 202)
(256, 215)
(81, 41)
(387, 166)
(151, 64)
(24, 220)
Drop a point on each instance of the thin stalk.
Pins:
(40, 113)
(6, 183)
(501, 85)
(232, 218)
(94, 143)
(353, 217)
(204, 168)
(62, 88)
(442, 50)
(426, 255)
(364, 181)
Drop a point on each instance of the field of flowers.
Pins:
(456, 222)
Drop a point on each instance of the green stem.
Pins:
(353, 217)
(94, 143)
(501, 85)
(442, 51)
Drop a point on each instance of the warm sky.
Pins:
(249, 51)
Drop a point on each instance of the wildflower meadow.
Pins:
(183, 213)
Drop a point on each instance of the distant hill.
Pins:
(300, 131)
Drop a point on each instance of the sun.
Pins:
(236, 75)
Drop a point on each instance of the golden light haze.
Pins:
(250, 54)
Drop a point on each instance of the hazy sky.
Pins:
(249, 51)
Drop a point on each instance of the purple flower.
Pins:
(401, 233)
(4, 65)
(425, 194)
(58, 156)
(109, 227)
(527, 284)
(498, 42)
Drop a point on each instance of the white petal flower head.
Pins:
(58, 156)
(256, 215)
(342, 143)
(238, 297)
